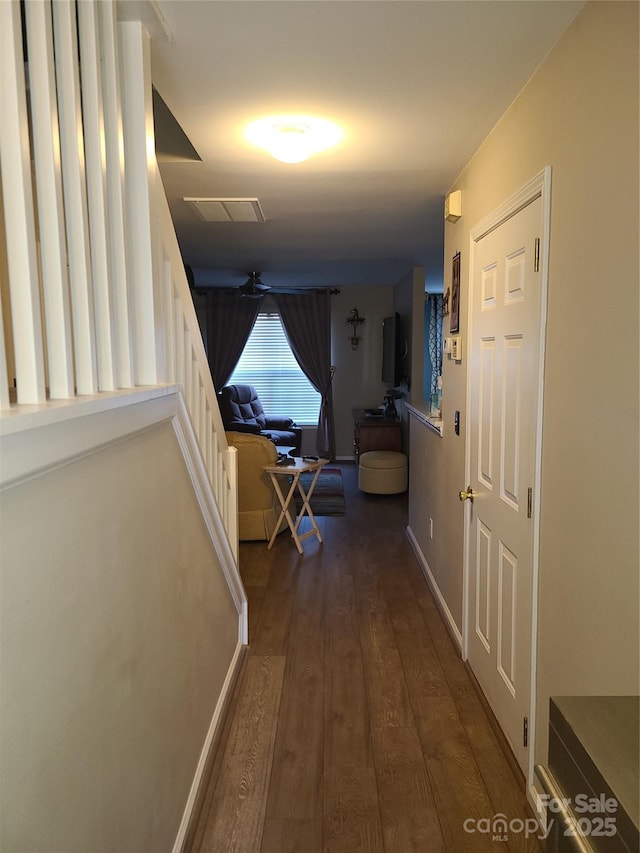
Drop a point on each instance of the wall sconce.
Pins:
(354, 320)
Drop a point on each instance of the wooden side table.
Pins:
(299, 466)
(375, 433)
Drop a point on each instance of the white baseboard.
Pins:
(216, 721)
(435, 589)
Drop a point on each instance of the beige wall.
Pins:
(578, 114)
(357, 381)
(117, 633)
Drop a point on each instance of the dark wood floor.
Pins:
(355, 724)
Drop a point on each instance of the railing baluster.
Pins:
(195, 399)
(114, 151)
(215, 457)
(5, 399)
(209, 458)
(46, 155)
(140, 170)
(220, 478)
(202, 410)
(188, 372)
(169, 309)
(93, 125)
(179, 333)
(18, 211)
(203, 427)
(74, 188)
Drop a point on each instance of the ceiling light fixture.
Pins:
(293, 138)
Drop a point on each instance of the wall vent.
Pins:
(227, 209)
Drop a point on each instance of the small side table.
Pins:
(299, 466)
(375, 433)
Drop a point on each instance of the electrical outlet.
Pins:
(430, 528)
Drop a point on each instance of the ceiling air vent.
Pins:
(227, 209)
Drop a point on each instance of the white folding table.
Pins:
(299, 466)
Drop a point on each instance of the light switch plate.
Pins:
(456, 348)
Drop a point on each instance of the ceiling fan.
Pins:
(253, 288)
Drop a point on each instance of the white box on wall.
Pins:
(453, 206)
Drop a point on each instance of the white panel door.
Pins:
(503, 397)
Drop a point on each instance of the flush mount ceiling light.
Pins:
(293, 138)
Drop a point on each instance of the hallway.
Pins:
(355, 725)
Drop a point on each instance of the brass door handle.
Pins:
(467, 495)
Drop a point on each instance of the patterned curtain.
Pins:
(433, 327)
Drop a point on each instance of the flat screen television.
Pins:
(392, 350)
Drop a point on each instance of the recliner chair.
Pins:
(258, 505)
(242, 411)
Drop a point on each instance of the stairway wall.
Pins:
(119, 634)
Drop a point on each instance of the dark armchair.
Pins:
(242, 411)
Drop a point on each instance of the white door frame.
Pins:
(539, 186)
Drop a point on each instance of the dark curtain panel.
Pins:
(230, 319)
(307, 323)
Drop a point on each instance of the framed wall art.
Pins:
(454, 322)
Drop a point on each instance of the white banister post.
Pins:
(114, 149)
(18, 210)
(93, 124)
(140, 170)
(75, 197)
(46, 146)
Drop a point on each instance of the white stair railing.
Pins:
(185, 363)
(94, 294)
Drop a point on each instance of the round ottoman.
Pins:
(383, 472)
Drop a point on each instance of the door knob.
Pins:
(466, 495)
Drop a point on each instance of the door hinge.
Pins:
(525, 731)
(536, 255)
(529, 502)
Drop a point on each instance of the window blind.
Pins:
(268, 364)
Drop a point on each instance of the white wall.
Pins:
(118, 631)
(579, 114)
(357, 382)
